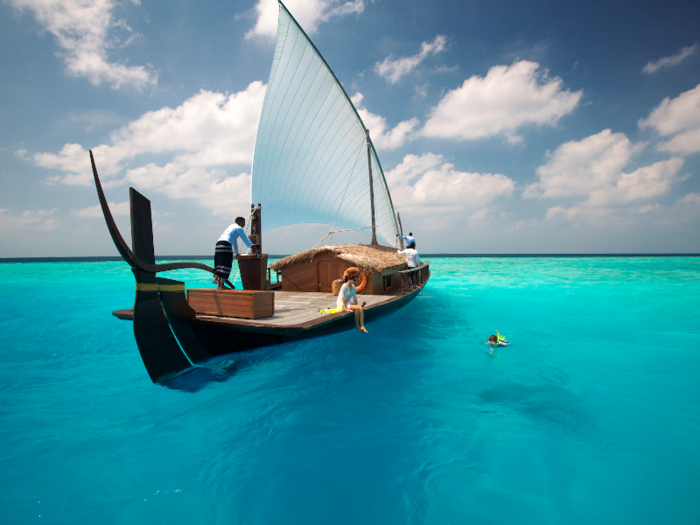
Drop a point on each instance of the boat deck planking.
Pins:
(291, 309)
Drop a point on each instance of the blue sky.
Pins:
(502, 127)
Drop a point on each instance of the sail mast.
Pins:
(371, 189)
(309, 150)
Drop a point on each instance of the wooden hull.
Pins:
(222, 338)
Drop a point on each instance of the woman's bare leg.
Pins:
(359, 317)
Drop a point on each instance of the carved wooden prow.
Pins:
(160, 307)
(158, 347)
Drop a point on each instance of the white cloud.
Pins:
(116, 209)
(213, 189)
(479, 216)
(41, 220)
(425, 181)
(644, 183)
(72, 159)
(649, 207)
(507, 98)
(207, 133)
(82, 29)
(561, 211)
(309, 13)
(679, 117)
(208, 130)
(692, 199)
(579, 167)
(393, 70)
(381, 136)
(673, 60)
(593, 169)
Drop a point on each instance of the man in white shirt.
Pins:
(408, 238)
(227, 249)
(411, 255)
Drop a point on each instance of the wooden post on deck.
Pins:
(253, 267)
(256, 228)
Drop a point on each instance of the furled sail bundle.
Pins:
(314, 161)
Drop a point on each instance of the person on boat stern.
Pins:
(411, 255)
(408, 238)
(227, 249)
(347, 299)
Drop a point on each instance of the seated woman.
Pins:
(347, 299)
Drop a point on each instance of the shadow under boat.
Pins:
(172, 336)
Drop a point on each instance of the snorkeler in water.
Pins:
(498, 340)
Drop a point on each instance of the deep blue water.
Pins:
(591, 415)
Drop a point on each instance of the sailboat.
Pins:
(314, 162)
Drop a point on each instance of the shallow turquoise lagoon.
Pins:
(591, 415)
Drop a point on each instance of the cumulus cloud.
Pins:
(673, 60)
(213, 189)
(426, 181)
(41, 220)
(382, 137)
(692, 199)
(393, 70)
(122, 208)
(592, 169)
(207, 133)
(507, 98)
(678, 118)
(648, 182)
(309, 13)
(209, 129)
(579, 167)
(84, 30)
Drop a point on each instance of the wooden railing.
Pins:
(415, 277)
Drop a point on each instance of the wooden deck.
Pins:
(299, 308)
(291, 309)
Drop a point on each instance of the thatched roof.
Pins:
(369, 259)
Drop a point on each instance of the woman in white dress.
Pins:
(347, 300)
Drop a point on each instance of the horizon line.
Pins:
(110, 258)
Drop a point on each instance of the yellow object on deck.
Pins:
(330, 310)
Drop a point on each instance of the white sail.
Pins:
(311, 163)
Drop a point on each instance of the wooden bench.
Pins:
(244, 304)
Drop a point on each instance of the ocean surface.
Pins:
(590, 415)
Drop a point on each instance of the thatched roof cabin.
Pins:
(315, 270)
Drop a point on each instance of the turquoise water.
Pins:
(591, 415)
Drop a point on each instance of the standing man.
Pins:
(227, 249)
(408, 238)
(411, 255)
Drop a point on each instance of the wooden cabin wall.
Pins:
(317, 275)
(314, 276)
(299, 277)
(379, 283)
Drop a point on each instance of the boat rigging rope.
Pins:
(330, 233)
